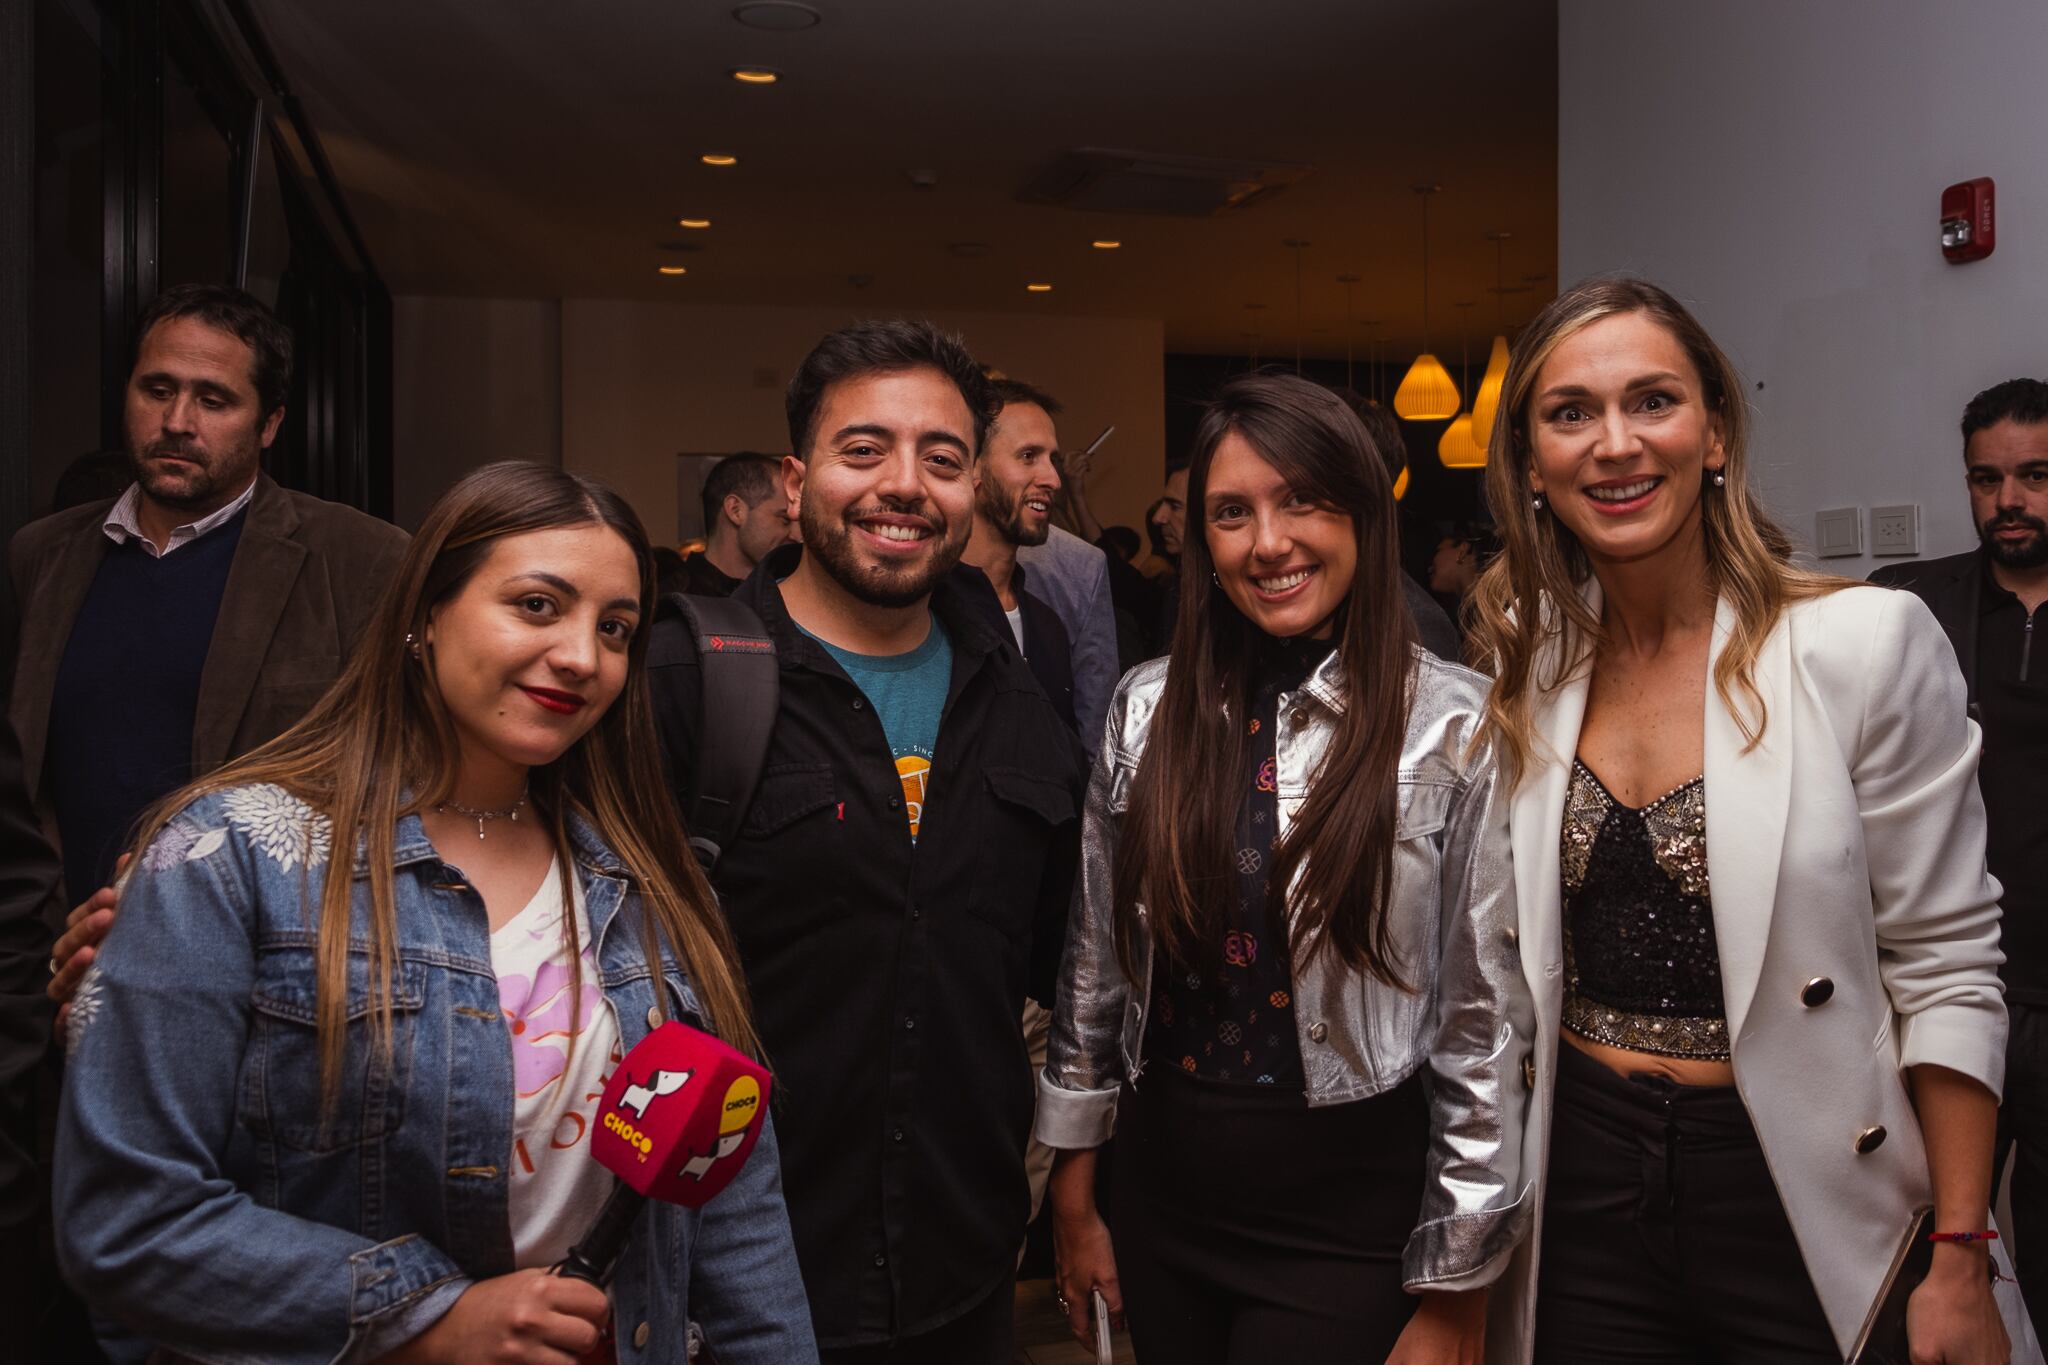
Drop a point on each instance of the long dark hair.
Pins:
(382, 731)
(1335, 867)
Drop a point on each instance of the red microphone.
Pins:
(678, 1119)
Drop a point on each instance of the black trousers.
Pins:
(983, 1335)
(1250, 1228)
(1664, 1241)
(2023, 1123)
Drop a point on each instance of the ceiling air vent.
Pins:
(1108, 181)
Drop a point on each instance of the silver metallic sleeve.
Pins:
(1476, 1201)
(1084, 1062)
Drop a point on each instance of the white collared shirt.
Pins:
(123, 524)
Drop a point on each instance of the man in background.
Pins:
(201, 612)
(1072, 577)
(1990, 600)
(1015, 483)
(1454, 567)
(191, 618)
(745, 517)
(1433, 628)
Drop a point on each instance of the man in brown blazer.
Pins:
(203, 611)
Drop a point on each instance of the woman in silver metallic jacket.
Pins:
(1291, 1003)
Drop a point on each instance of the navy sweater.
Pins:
(127, 693)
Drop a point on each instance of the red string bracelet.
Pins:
(1990, 1236)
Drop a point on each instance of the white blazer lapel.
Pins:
(1535, 819)
(1748, 795)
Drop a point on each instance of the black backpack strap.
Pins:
(741, 688)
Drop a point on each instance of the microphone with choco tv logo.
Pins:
(678, 1119)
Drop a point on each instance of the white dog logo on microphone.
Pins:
(638, 1097)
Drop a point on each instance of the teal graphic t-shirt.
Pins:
(908, 692)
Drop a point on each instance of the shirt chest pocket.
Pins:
(1424, 806)
(1422, 809)
(281, 1098)
(1026, 813)
(788, 793)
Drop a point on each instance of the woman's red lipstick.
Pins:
(561, 703)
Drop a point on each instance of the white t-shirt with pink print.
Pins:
(556, 1189)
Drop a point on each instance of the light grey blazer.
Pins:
(1467, 1021)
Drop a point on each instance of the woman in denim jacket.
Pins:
(314, 1119)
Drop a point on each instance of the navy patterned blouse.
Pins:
(1235, 1024)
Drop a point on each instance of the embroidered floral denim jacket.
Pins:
(201, 1201)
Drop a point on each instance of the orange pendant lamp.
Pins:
(1455, 447)
(1426, 393)
(1487, 403)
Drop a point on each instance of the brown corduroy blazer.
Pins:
(306, 577)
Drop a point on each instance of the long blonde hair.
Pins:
(380, 745)
(1530, 598)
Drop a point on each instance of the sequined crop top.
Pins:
(1642, 971)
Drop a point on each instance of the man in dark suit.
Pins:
(1015, 482)
(179, 625)
(1989, 601)
(200, 613)
(745, 516)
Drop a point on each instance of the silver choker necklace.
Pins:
(510, 812)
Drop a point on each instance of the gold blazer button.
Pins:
(1869, 1140)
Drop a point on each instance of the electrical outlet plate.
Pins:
(1838, 531)
(1895, 530)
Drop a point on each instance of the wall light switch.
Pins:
(1895, 530)
(1838, 531)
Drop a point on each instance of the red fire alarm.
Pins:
(1969, 227)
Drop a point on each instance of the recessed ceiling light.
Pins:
(719, 159)
(778, 16)
(693, 222)
(1039, 288)
(755, 75)
(673, 269)
(1105, 244)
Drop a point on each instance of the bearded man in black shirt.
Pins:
(1990, 602)
(901, 877)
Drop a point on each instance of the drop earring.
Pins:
(1536, 503)
(1720, 479)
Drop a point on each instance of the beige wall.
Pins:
(618, 389)
(643, 382)
(474, 380)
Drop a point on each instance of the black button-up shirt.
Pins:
(888, 976)
(2012, 701)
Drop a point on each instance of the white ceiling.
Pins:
(524, 149)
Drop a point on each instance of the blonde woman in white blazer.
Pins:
(1749, 859)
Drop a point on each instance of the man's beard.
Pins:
(202, 487)
(879, 585)
(1006, 514)
(2027, 554)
